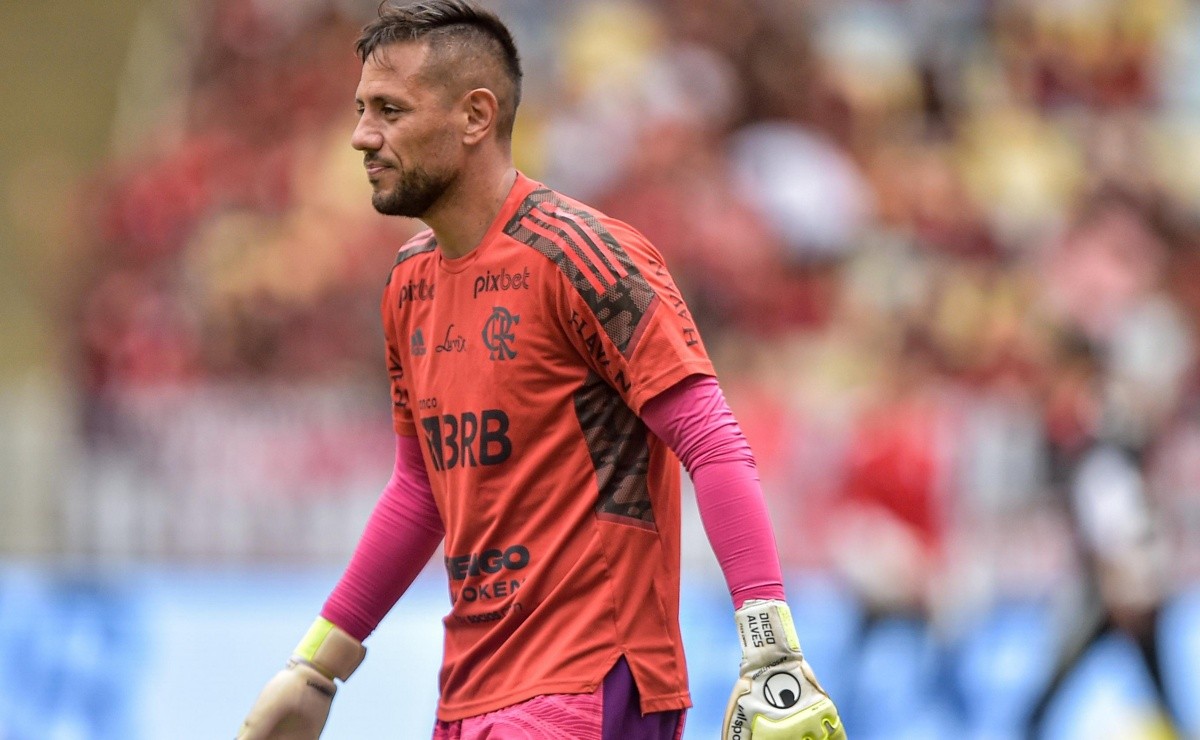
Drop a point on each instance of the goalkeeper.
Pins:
(546, 380)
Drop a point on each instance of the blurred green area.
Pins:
(61, 62)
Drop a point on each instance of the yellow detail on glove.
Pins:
(818, 722)
(295, 703)
(313, 639)
(330, 650)
(789, 627)
(776, 697)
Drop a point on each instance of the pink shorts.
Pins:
(611, 713)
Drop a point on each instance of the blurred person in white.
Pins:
(1119, 536)
(1126, 556)
(547, 380)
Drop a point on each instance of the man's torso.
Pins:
(519, 367)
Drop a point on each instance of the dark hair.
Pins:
(456, 31)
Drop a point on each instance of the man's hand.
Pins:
(294, 704)
(777, 696)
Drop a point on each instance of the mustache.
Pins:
(370, 159)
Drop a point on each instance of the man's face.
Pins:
(406, 132)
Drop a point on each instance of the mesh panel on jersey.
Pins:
(591, 258)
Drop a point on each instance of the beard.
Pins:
(415, 192)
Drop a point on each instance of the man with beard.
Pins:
(546, 381)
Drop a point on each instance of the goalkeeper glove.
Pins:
(294, 704)
(777, 696)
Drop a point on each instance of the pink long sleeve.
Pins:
(695, 421)
(401, 535)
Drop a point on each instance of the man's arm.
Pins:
(401, 534)
(694, 420)
(777, 696)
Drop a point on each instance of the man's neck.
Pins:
(460, 221)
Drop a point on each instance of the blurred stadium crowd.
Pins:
(945, 254)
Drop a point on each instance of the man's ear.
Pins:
(481, 108)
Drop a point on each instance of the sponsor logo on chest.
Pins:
(414, 290)
(494, 282)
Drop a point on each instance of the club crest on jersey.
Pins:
(498, 334)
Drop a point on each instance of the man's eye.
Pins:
(390, 110)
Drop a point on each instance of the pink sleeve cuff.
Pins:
(695, 421)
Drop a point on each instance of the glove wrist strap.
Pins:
(766, 630)
(330, 649)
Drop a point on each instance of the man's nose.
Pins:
(366, 136)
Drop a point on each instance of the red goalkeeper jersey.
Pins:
(522, 367)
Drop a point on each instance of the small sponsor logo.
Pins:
(768, 668)
(452, 342)
(414, 290)
(487, 562)
(486, 591)
(491, 282)
(738, 725)
(418, 347)
(592, 342)
(399, 397)
(673, 297)
(498, 333)
(590, 336)
(468, 439)
(323, 689)
(782, 690)
(491, 616)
